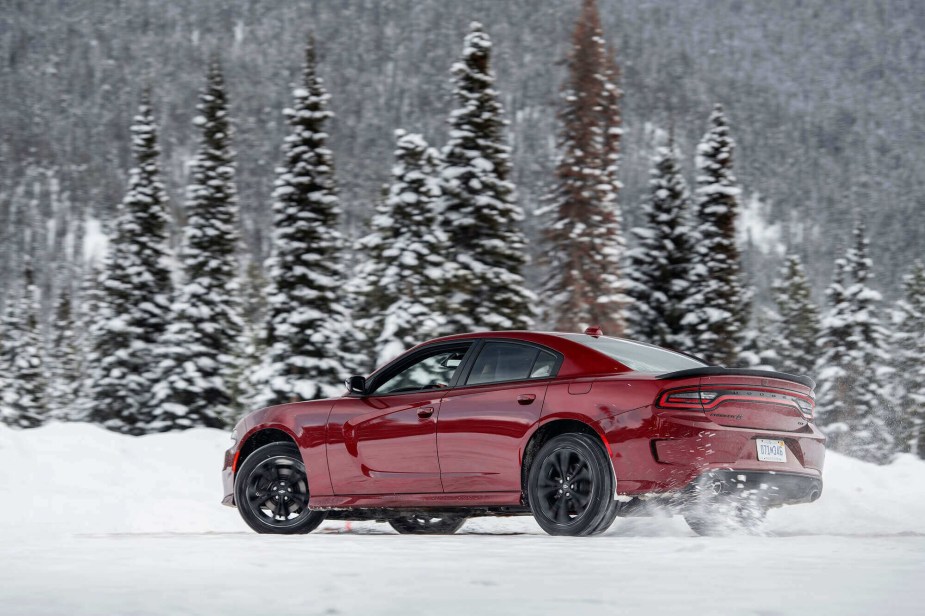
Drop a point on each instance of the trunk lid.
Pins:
(753, 399)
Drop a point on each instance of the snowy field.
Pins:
(98, 523)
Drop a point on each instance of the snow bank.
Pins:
(77, 479)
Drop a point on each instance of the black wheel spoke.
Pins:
(270, 485)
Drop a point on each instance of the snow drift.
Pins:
(81, 479)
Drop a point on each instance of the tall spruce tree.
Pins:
(135, 291)
(584, 240)
(659, 265)
(797, 339)
(308, 325)
(909, 342)
(486, 289)
(202, 348)
(64, 364)
(402, 274)
(717, 306)
(23, 399)
(854, 402)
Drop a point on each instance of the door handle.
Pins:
(526, 398)
(425, 412)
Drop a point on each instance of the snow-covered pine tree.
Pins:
(486, 289)
(758, 350)
(201, 352)
(717, 306)
(64, 361)
(659, 264)
(401, 274)
(308, 326)
(23, 399)
(88, 306)
(135, 291)
(853, 398)
(797, 339)
(584, 240)
(909, 341)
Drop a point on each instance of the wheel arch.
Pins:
(549, 429)
(260, 437)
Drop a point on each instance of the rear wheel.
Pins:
(271, 491)
(427, 524)
(570, 487)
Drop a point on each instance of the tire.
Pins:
(271, 492)
(560, 504)
(426, 524)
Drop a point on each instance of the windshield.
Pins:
(638, 356)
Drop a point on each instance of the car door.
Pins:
(484, 419)
(385, 442)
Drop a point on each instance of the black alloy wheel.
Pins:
(423, 523)
(570, 487)
(271, 491)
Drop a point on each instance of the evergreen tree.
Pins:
(202, 347)
(908, 361)
(135, 290)
(402, 274)
(486, 289)
(308, 326)
(64, 363)
(758, 350)
(659, 264)
(796, 342)
(717, 306)
(585, 241)
(853, 400)
(23, 397)
(89, 302)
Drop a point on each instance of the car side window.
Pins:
(498, 362)
(432, 371)
(543, 365)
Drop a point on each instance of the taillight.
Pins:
(711, 397)
(686, 399)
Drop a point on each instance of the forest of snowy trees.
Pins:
(166, 313)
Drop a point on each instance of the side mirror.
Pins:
(356, 384)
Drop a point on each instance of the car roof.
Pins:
(579, 359)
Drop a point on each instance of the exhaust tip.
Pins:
(813, 495)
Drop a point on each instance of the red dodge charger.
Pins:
(574, 429)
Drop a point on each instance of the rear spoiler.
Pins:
(721, 371)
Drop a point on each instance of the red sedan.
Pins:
(574, 429)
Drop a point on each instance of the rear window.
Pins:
(637, 356)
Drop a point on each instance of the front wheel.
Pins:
(427, 524)
(570, 487)
(271, 491)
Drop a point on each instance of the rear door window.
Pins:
(499, 361)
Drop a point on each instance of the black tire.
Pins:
(570, 486)
(271, 492)
(422, 523)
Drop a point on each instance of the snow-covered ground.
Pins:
(97, 523)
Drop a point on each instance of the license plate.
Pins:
(771, 450)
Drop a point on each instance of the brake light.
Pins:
(711, 397)
(686, 399)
